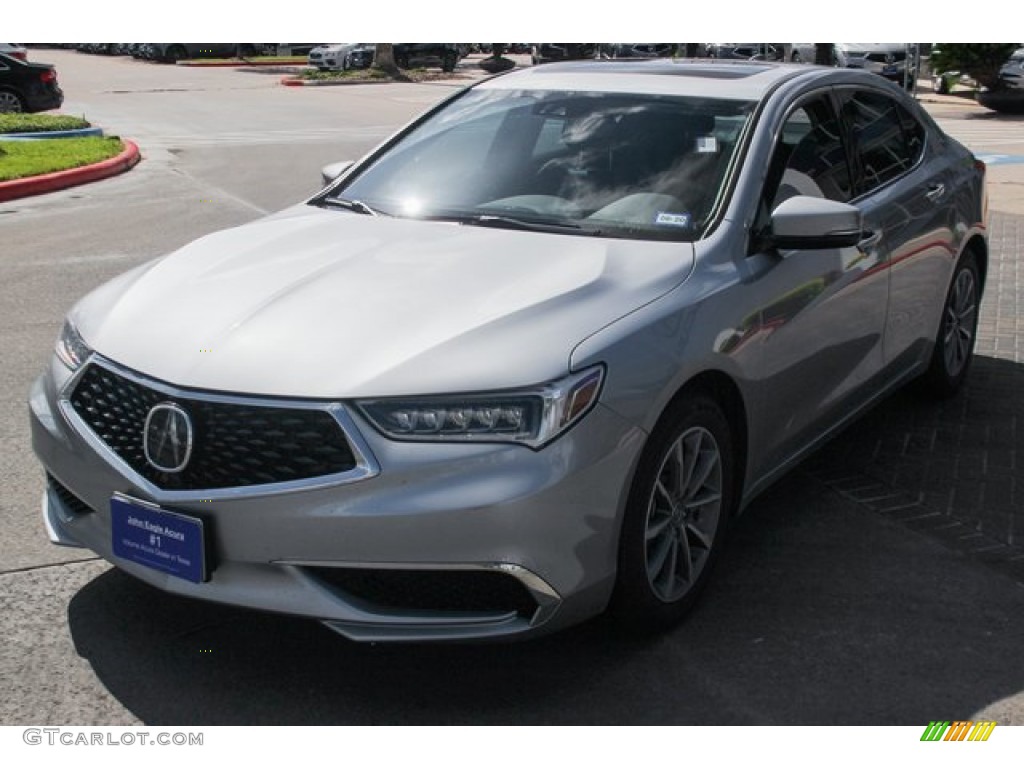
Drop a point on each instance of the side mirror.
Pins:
(330, 172)
(809, 223)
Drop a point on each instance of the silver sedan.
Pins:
(527, 360)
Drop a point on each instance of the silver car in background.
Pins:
(893, 61)
(526, 361)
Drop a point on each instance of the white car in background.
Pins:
(15, 50)
(890, 60)
(332, 56)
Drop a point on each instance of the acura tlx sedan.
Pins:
(526, 361)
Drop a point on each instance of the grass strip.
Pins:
(20, 159)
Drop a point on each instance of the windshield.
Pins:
(610, 164)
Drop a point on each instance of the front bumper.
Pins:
(536, 531)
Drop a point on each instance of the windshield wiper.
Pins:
(357, 206)
(529, 225)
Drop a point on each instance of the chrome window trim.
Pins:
(366, 464)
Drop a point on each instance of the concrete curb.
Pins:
(299, 82)
(51, 182)
(293, 62)
(76, 133)
(289, 80)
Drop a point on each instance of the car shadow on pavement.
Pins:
(821, 612)
(957, 460)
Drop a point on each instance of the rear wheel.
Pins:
(678, 511)
(175, 53)
(954, 346)
(11, 102)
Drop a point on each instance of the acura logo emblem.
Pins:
(167, 437)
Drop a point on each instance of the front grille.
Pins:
(234, 444)
(463, 591)
(67, 498)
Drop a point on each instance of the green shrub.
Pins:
(980, 61)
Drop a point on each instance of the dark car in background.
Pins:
(1008, 95)
(408, 55)
(27, 86)
(175, 52)
(443, 55)
(542, 53)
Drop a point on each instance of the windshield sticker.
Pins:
(672, 219)
(707, 144)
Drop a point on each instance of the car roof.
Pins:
(708, 78)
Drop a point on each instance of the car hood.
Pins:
(326, 304)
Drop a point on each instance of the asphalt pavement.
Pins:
(880, 583)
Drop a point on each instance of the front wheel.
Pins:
(679, 508)
(954, 345)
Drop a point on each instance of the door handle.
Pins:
(935, 192)
(869, 239)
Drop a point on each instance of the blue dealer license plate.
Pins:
(165, 541)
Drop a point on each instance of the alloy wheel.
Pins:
(959, 323)
(683, 514)
(9, 102)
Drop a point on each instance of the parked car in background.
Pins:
(15, 51)
(174, 52)
(893, 61)
(804, 53)
(333, 56)
(362, 56)
(28, 86)
(555, 335)
(542, 53)
(744, 51)
(1008, 95)
(636, 50)
(443, 55)
(1012, 72)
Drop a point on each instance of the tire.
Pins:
(954, 344)
(11, 101)
(674, 527)
(175, 53)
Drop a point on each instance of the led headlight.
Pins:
(71, 350)
(532, 417)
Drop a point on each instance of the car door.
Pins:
(905, 196)
(822, 312)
